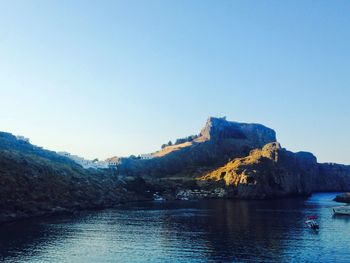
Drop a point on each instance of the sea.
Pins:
(185, 231)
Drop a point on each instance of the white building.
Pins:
(113, 162)
(146, 156)
(84, 162)
(22, 138)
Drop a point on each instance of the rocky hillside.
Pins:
(243, 158)
(9, 142)
(225, 160)
(219, 141)
(273, 171)
(34, 181)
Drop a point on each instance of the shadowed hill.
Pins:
(34, 181)
(10, 142)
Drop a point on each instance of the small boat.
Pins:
(158, 197)
(311, 222)
(341, 210)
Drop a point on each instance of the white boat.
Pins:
(311, 222)
(158, 197)
(341, 210)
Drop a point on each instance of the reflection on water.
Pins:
(202, 231)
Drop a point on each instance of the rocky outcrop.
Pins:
(243, 158)
(265, 173)
(273, 171)
(219, 141)
(332, 177)
(343, 198)
(218, 129)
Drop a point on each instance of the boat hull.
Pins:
(341, 211)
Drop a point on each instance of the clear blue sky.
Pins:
(104, 78)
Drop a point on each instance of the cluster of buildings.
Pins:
(146, 156)
(113, 162)
(195, 194)
(95, 164)
(86, 163)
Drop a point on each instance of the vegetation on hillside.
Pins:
(34, 181)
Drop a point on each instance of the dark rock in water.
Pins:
(343, 198)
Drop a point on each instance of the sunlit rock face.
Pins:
(218, 142)
(273, 171)
(267, 172)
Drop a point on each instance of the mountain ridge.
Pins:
(225, 160)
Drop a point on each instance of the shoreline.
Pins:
(63, 211)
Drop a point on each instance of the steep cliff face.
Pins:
(219, 141)
(273, 171)
(218, 129)
(267, 172)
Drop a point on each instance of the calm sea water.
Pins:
(185, 231)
